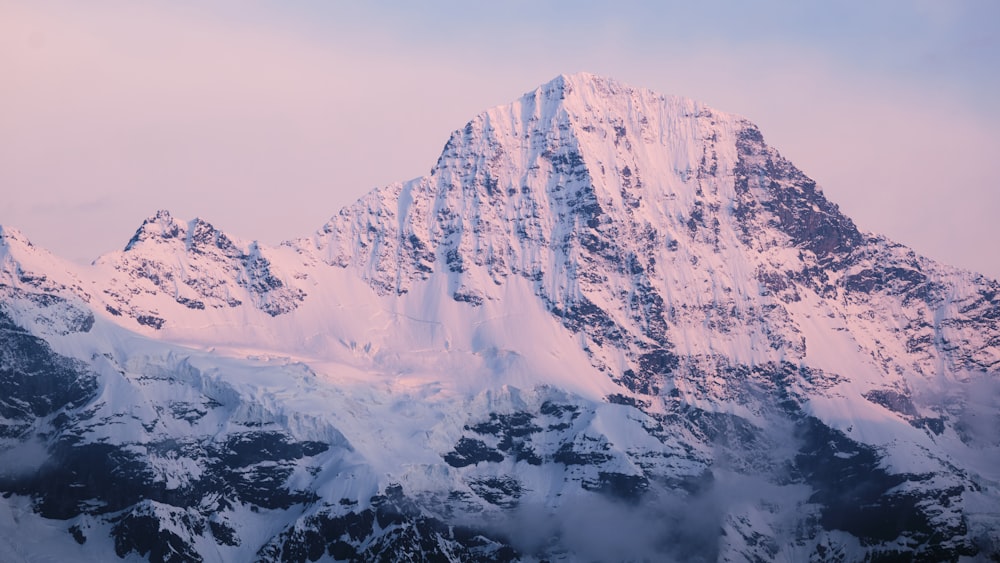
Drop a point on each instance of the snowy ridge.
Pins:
(199, 265)
(601, 302)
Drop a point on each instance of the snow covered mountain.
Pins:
(609, 325)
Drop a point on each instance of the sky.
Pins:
(266, 118)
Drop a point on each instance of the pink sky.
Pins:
(266, 120)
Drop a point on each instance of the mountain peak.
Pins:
(194, 265)
(196, 235)
(159, 226)
(568, 84)
(601, 299)
(585, 178)
(584, 92)
(10, 235)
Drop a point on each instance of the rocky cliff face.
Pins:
(609, 325)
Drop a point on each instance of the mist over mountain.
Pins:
(608, 325)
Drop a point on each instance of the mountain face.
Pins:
(609, 325)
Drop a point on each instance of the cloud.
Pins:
(22, 459)
(600, 529)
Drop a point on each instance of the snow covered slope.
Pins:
(609, 325)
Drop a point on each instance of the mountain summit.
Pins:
(642, 220)
(608, 325)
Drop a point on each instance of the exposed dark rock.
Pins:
(150, 321)
(470, 451)
(501, 491)
(619, 485)
(619, 399)
(584, 316)
(585, 453)
(77, 534)
(470, 298)
(35, 381)
(518, 424)
(223, 533)
(393, 530)
(555, 409)
(191, 303)
(860, 497)
(892, 400)
(797, 206)
(935, 425)
(142, 533)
